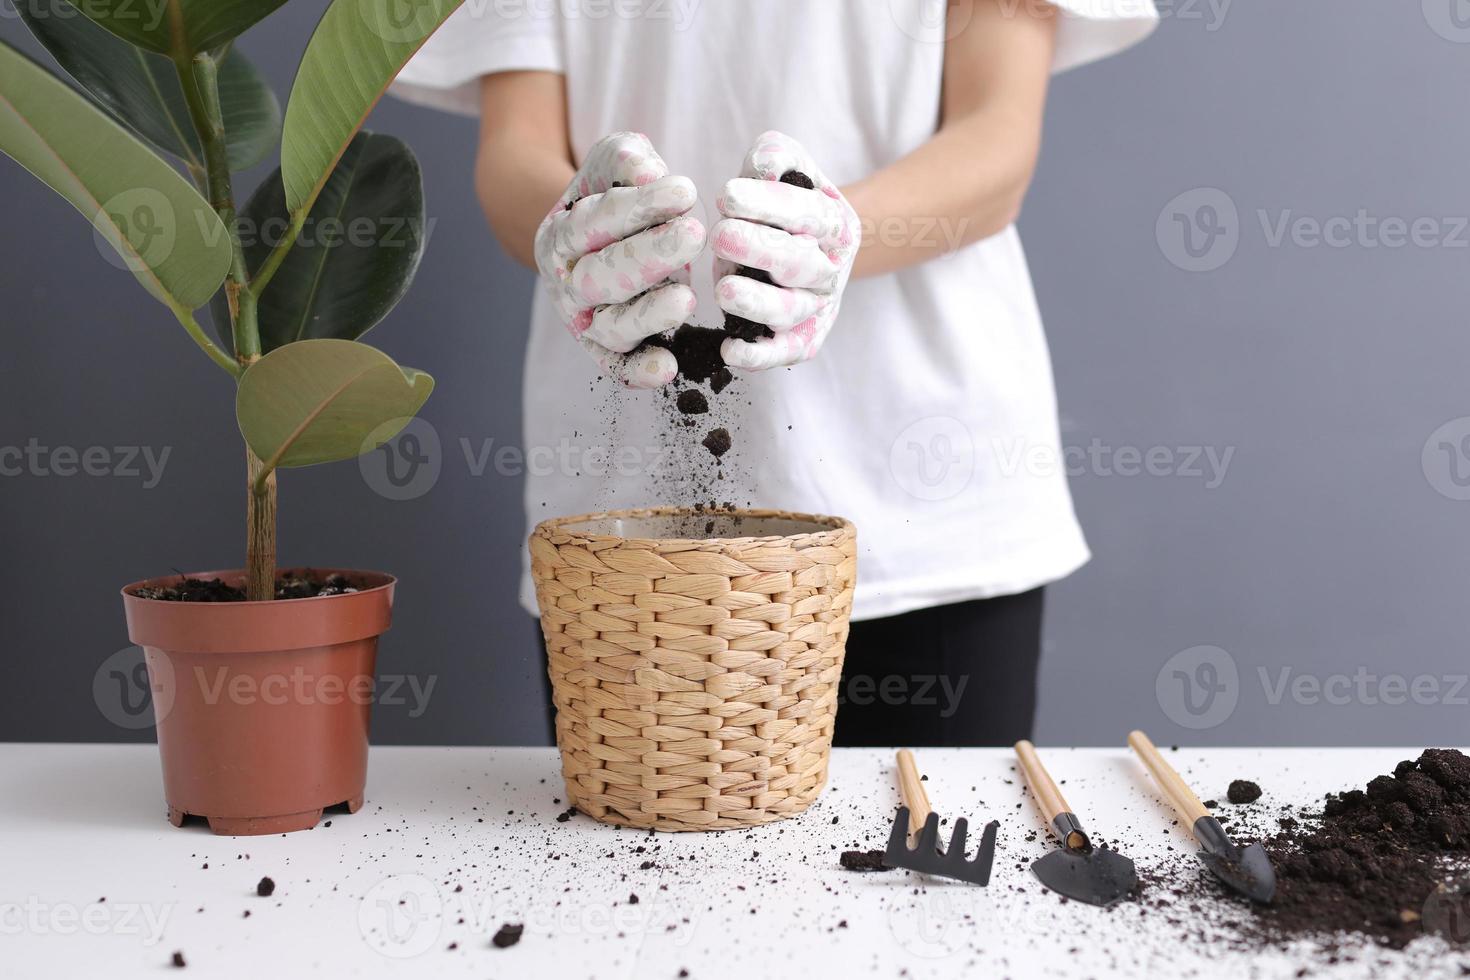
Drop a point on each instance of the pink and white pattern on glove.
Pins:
(614, 255)
(806, 240)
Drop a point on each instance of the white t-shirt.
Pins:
(929, 417)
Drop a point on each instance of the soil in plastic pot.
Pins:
(262, 708)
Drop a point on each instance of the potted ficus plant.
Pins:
(261, 702)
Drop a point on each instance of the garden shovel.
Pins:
(916, 816)
(1097, 876)
(1246, 869)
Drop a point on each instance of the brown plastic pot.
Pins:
(262, 708)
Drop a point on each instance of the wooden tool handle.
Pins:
(1047, 795)
(1173, 785)
(912, 790)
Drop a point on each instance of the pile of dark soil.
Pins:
(298, 585)
(1379, 859)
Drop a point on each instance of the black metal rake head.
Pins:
(930, 859)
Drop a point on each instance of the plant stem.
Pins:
(260, 545)
(205, 342)
(199, 78)
(278, 254)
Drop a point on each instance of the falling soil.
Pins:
(304, 584)
(863, 861)
(718, 442)
(1243, 791)
(507, 935)
(697, 351)
(691, 401)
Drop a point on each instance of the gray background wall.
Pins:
(1332, 547)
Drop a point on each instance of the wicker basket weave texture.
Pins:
(695, 680)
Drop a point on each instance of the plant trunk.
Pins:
(260, 545)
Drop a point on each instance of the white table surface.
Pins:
(453, 842)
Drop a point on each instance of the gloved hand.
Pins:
(614, 254)
(804, 240)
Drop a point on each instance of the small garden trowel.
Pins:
(1246, 869)
(1097, 876)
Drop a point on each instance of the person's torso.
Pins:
(933, 379)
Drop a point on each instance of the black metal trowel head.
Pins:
(1097, 876)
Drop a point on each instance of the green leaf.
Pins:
(142, 89)
(178, 28)
(167, 235)
(324, 400)
(358, 250)
(356, 51)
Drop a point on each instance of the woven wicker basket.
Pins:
(694, 660)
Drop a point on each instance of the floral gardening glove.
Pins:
(783, 254)
(614, 254)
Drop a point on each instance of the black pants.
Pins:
(962, 674)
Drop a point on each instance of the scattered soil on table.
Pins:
(305, 584)
(507, 935)
(178, 960)
(1243, 791)
(265, 888)
(863, 861)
